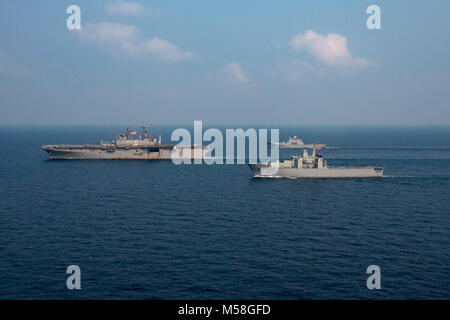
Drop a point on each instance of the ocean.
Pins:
(155, 230)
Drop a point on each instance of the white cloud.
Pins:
(165, 50)
(123, 8)
(124, 39)
(114, 37)
(331, 48)
(234, 73)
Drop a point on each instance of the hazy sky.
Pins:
(225, 62)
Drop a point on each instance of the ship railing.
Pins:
(356, 167)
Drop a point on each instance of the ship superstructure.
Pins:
(130, 138)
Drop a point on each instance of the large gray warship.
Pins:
(128, 145)
(311, 166)
(296, 143)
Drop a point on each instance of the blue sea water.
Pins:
(154, 230)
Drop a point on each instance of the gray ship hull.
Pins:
(144, 153)
(262, 170)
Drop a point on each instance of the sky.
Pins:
(228, 62)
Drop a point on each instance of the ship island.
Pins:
(128, 145)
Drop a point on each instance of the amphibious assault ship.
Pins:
(311, 166)
(296, 143)
(128, 145)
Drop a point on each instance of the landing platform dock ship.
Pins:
(311, 166)
(296, 143)
(128, 145)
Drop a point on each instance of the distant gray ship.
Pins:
(296, 143)
(311, 166)
(129, 145)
